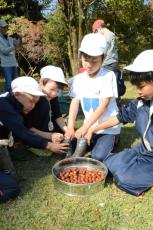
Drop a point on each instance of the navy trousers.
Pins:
(9, 188)
(102, 145)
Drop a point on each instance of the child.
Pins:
(51, 82)
(132, 168)
(96, 90)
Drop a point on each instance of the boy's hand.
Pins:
(81, 132)
(57, 137)
(70, 134)
(89, 135)
(57, 147)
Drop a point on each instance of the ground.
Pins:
(41, 207)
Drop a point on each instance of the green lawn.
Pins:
(41, 207)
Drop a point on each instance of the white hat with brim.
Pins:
(26, 84)
(93, 44)
(53, 73)
(3, 23)
(142, 63)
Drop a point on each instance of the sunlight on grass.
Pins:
(131, 92)
(41, 207)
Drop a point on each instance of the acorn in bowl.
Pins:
(79, 176)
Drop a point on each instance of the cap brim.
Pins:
(33, 93)
(135, 68)
(90, 52)
(53, 79)
(64, 83)
(36, 93)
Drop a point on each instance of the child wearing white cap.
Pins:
(51, 82)
(132, 168)
(96, 90)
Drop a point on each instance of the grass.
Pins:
(41, 207)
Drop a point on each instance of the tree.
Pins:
(31, 9)
(56, 38)
(132, 21)
(75, 16)
(34, 48)
(125, 17)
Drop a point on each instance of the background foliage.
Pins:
(51, 31)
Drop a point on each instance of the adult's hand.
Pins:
(57, 147)
(57, 137)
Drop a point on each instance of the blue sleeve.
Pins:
(6, 50)
(127, 113)
(13, 121)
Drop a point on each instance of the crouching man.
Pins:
(25, 94)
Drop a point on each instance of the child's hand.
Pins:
(57, 137)
(81, 132)
(69, 134)
(89, 136)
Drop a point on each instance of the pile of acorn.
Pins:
(79, 175)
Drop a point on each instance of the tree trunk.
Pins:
(74, 21)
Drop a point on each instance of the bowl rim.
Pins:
(73, 184)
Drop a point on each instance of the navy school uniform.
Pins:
(39, 116)
(11, 118)
(132, 168)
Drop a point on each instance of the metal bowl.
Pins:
(78, 189)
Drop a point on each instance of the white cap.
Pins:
(93, 44)
(142, 63)
(53, 73)
(26, 84)
(3, 23)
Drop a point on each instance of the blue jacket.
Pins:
(140, 113)
(132, 168)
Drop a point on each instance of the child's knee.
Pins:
(100, 156)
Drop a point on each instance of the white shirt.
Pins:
(92, 90)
